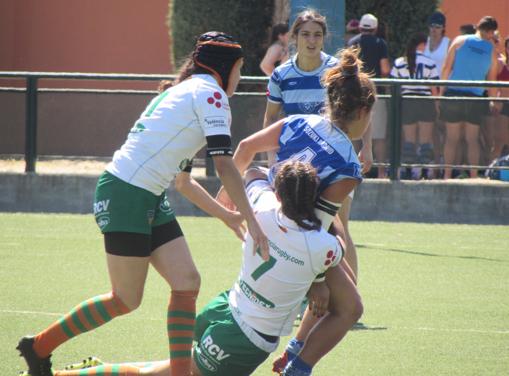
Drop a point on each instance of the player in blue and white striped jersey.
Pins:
(418, 115)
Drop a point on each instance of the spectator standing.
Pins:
(373, 53)
(352, 29)
(467, 29)
(471, 57)
(502, 125)
(417, 115)
(277, 52)
(437, 43)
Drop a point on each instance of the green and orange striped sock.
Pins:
(181, 318)
(86, 316)
(104, 370)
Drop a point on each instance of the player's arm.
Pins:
(234, 186)
(329, 202)
(265, 140)
(194, 192)
(269, 60)
(449, 60)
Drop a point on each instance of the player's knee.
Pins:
(126, 302)
(190, 280)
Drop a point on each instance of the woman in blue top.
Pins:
(470, 57)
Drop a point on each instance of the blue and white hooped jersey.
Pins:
(298, 91)
(313, 139)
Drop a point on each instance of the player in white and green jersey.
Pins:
(135, 217)
(238, 329)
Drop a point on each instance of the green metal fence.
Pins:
(395, 104)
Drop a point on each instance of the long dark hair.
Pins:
(277, 30)
(297, 187)
(411, 52)
(348, 88)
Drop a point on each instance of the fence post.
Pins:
(31, 124)
(395, 154)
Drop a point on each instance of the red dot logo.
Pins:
(330, 257)
(214, 100)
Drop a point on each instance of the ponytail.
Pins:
(297, 186)
(348, 88)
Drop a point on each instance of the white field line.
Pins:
(37, 313)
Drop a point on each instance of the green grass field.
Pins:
(436, 297)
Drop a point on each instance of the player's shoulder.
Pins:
(206, 85)
(400, 62)
(284, 70)
(329, 60)
(325, 246)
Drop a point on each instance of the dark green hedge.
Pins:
(248, 21)
(399, 19)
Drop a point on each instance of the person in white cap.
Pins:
(373, 52)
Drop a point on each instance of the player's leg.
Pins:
(452, 138)
(351, 251)
(472, 139)
(172, 259)
(345, 309)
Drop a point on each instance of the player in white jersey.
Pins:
(325, 143)
(238, 329)
(134, 215)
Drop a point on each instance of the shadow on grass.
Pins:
(428, 254)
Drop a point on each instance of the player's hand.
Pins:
(495, 107)
(224, 199)
(318, 296)
(366, 157)
(235, 221)
(259, 239)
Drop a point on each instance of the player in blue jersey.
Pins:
(296, 88)
(325, 142)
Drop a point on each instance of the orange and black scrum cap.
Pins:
(217, 52)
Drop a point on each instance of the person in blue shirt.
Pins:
(471, 58)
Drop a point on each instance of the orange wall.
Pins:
(459, 12)
(99, 36)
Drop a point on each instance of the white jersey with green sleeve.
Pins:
(268, 294)
(170, 132)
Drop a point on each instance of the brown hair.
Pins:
(297, 186)
(305, 16)
(348, 88)
(487, 23)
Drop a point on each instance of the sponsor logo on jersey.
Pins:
(101, 206)
(103, 221)
(138, 127)
(215, 122)
(330, 258)
(215, 99)
(309, 107)
(285, 255)
(254, 296)
(212, 352)
(318, 140)
(164, 206)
